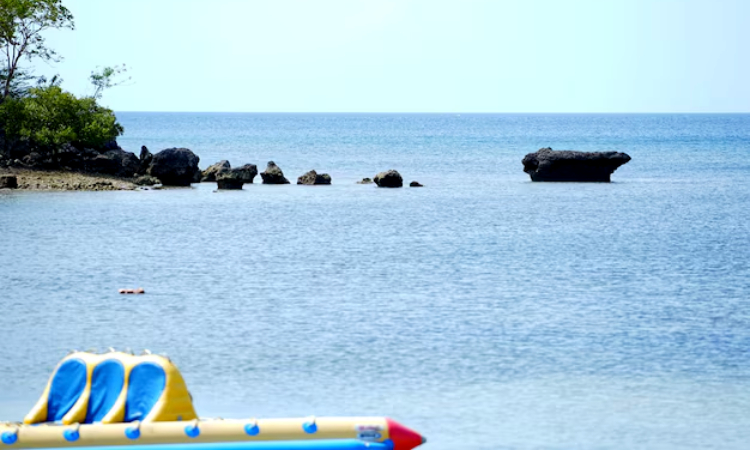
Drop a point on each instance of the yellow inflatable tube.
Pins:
(198, 431)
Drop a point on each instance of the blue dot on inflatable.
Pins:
(9, 438)
(71, 435)
(252, 429)
(132, 433)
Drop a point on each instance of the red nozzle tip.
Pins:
(403, 438)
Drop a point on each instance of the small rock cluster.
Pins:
(389, 179)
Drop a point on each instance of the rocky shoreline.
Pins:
(59, 180)
(115, 169)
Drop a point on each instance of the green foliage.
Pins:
(105, 78)
(21, 25)
(45, 117)
(49, 117)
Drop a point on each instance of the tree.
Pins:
(21, 25)
(45, 118)
(105, 79)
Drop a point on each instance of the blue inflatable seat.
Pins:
(107, 381)
(145, 386)
(66, 388)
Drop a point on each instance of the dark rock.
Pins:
(248, 172)
(273, 174)
(34, 160)
(175, 166)
(232, 179)
(365, 181)
(72, 158)
(145, 158)
(389, 179)
(111, 145)
(145, 180)
(210, 173)
(114, 162)
(415, 184)
(566, 165)
(312, 177)
(8, 182)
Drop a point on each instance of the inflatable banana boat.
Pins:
(100, 401)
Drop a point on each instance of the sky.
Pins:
(412, 56)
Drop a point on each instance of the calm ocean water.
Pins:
(485, 311)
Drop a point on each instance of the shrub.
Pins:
(48, 117)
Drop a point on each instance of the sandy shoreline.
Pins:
(42, 180)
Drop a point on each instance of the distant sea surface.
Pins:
(483, 310)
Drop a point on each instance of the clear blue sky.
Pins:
(413, 56)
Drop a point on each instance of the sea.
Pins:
(483, 310)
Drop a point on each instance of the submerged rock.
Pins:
(415, 184)
(313, 177)
(389, 179)
(567, 165)
(175, 166)
(273, 174)
(213, 170)
(365, 181)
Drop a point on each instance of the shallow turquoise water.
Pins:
(483, 310)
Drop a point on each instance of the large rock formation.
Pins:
(566, 165)
(114, 162)
(389, 179)
(175, 166)
(313, 177)
(273, 174)
(108, 159)
(210, 173)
